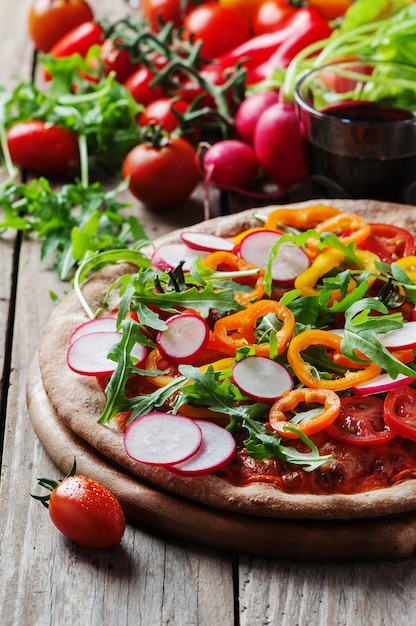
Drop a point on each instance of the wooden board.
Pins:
(355, 540)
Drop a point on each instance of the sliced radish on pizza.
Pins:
(290, 261)
(261, 378)
(162, 439)
(184, 339)
(96, 325)
(206, 242)
(382, 383)
(88, 355)
(169, 256)
(217, 449)
(404, 337)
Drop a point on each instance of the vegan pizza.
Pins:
(260, 363)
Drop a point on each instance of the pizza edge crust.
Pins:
(62, 386)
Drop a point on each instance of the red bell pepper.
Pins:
(261, 54)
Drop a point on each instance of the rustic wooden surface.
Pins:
(149, 580)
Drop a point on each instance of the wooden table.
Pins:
(149, 580)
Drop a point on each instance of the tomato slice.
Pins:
(400, 411)
(360, 422)
(389, 242)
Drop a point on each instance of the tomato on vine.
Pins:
(220, 29)
(50, 20)
(83, 510)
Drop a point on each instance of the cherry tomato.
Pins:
(245, 7)
(161, 112)
(400, 411)
(389, 242)
(219, 28)
(139, 85)
(117, 60)
(270, 15)
(163, 11)
(79, 39)
(50, 20)
(162, 177)
(86, 512)
(43, 148)
(360, 422)
(330, 9)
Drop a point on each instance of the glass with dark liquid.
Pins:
(359, 127)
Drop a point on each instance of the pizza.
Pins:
(321, 447)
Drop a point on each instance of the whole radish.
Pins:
(278, 145)
(249, 112)
(230, 164)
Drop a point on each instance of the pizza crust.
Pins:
(79, 401)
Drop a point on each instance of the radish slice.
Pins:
(87, 355)
(261, 378)
(206, 242)
(289, 263)
(99, 324)
(382, 383)
(184, 339)
(168, 256)
(404, 337)
(162, 439)
(217, 449)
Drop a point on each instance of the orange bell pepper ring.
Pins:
(227, 261)
(237, 330)
(303, 370)
(301, 219)
(349, 227)
(279, 421)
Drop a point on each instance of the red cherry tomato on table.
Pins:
(84, 511)
(220, 29)
(245, 7)
(50, 20)
(162, 112)
(140, 87)
(117, 60)
(270, 16)
(163, 11)
(162, 177)
(43, 148)
(360, 422)
(400, 411)
(78, 40)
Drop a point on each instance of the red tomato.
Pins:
(245, 7)
(50, 20)
(79, 39)
(400, 411)
(43, 148)
(156, 11)
(86, 512)
(220, 29)
(270, 15)
(360, 422)
(330, 9)
(162, 177)
(389, 242)
(117, 60)
(138, 84)
(161, 112)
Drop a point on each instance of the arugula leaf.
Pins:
(360, 333)
(262, 444)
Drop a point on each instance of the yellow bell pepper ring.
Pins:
(303, 370)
